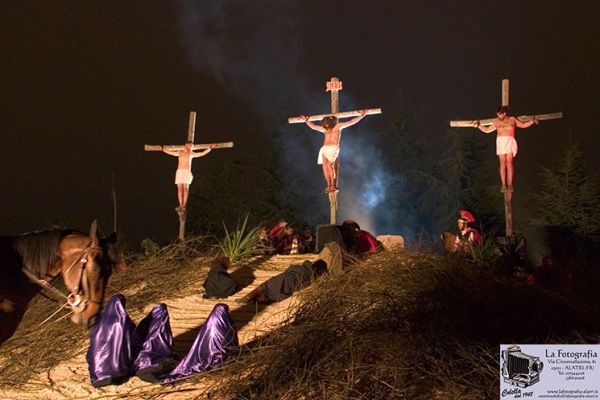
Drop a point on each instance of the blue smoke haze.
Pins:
(255, 50)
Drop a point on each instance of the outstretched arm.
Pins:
(196, 154)
(353, 121)
(521, 124)
(485, 129)
(169, 152)
(312, 125)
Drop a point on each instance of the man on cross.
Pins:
(183, 176)
(506, 145)
(328, 155)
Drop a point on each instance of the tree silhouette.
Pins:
(570, 196)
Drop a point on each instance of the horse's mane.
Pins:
(39, 250)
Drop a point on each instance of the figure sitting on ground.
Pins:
(358, 241)
(553, 277)
(466, 237)
(307, 240)
(118, 349)
(215, 342)
(282, 286)
(263, 236)
(219, 284)
(285, 241)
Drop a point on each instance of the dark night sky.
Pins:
(85, 84)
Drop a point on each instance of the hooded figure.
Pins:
(155, 358)
(118, 349)
(213, 345)
(114, 345)
(219, 284)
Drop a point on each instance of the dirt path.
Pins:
(70, 379)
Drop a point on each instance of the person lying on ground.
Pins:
(282, 286)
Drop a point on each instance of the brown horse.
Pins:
(30, 261)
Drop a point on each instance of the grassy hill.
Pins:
(394, 325)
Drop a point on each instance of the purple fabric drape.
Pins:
(158, 343)
(215, 342)
(114, 344)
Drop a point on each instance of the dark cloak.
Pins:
(219, 283)
(295, 277)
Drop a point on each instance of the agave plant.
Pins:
(240, 244)
(485, 254)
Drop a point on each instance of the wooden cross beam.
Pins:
(181, 212)
(334, 85)
(490, 121)
(505, 101)
(190, 138)
(484, 122)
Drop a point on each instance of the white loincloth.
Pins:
(506, 145)
(183, 176)
(330, 151)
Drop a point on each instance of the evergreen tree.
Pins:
(246, 183)
(422, 195)
(460, 167)
(570, 196)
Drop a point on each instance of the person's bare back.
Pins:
(332, 135)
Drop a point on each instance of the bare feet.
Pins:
(243, 300)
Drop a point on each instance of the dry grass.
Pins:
(175, 271)
(401, 327)
(394, 326)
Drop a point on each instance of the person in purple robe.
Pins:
(118, 349)
(156, 356)
(114, 345)
(215, 342)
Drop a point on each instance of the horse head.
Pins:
(87, 263)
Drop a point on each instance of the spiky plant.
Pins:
(484, 254)
(240, 244)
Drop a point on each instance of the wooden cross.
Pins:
(334, 86)
(181, 212)
(490, 121)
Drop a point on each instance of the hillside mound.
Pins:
(393, 325)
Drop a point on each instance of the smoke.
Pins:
(255, 49)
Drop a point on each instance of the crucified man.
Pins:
(183, 176)
(328, 155)
(506, 145)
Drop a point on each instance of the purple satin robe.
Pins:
(114, 345)
(157, 347)
(215, 342)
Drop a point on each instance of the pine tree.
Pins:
(460, 167)
(570, 196)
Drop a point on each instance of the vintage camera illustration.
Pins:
(520, 369)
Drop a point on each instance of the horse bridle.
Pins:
(74, 299)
